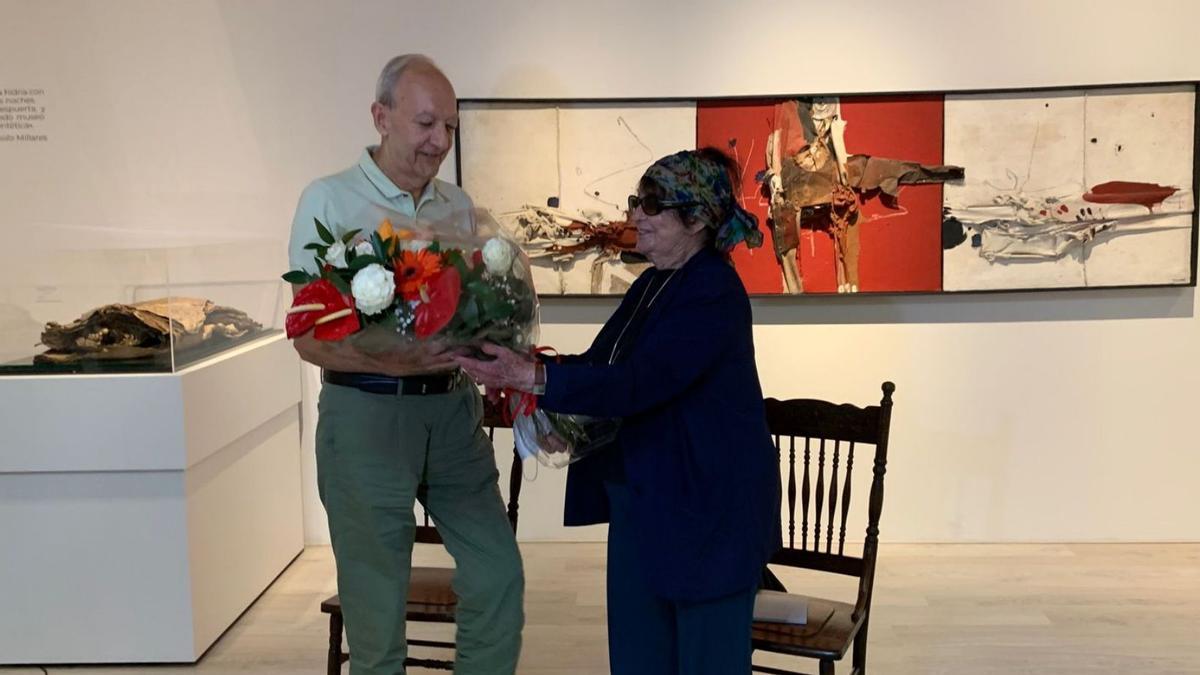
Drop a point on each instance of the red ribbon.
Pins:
(526, 402)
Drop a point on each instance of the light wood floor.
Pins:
(938, 609)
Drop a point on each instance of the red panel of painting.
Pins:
(901, 250)
(741, 130)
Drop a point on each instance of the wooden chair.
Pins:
(430, 596)
(828, 431)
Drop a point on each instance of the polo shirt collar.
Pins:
(385, 185)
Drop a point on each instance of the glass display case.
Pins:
(152, 423)
(148, 310)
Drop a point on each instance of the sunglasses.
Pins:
(652, 206)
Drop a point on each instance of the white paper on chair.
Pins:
(779, 607)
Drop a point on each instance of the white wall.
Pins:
(1048, 416)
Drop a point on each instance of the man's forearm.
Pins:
(402, 361)
(337, 356)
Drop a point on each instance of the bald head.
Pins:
(416, 114)
(395, 69)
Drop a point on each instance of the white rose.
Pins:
(364, 248)
(336, 254)
(497, 255)
(373, 288)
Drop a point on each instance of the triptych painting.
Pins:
(928, 193)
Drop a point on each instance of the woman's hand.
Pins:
(508, 370)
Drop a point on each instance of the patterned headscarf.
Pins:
(688, 177)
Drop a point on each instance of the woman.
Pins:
(691, 487)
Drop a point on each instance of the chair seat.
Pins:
(830, 629)
(430, 596)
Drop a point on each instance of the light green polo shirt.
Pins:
(361, 197)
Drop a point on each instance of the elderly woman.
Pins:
(691, 487)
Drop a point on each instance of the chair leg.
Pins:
(333, 662)
(860, 648)
(826, 667)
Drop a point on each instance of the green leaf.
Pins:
(341, 284)
(362, 261)
(349, 236)
(386, 318)
(323, 232)
(315, 246)
(298, 277)
(469, 314)
(380, 246)
(494, 308)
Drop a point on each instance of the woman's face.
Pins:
(663, 237)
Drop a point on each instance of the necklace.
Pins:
(616, 345)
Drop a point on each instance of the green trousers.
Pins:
(373, 451)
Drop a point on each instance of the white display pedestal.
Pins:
(140, 515)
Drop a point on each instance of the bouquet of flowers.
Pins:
(558, 439)
(403, 283)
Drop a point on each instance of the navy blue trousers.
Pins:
(648, 635)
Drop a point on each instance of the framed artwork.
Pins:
(897, 193)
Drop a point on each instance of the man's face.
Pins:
(417, 130)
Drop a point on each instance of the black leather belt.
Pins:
(410, 385)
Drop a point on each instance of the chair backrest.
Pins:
(817, 434)
(492, 420)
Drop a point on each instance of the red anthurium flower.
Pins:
(443, 293)
(336, 328)
(321, 308)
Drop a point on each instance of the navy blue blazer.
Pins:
(694, 446)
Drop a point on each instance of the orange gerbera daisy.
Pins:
(414, 269)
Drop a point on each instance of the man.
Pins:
(389, 423)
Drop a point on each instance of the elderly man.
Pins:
(389, 423)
